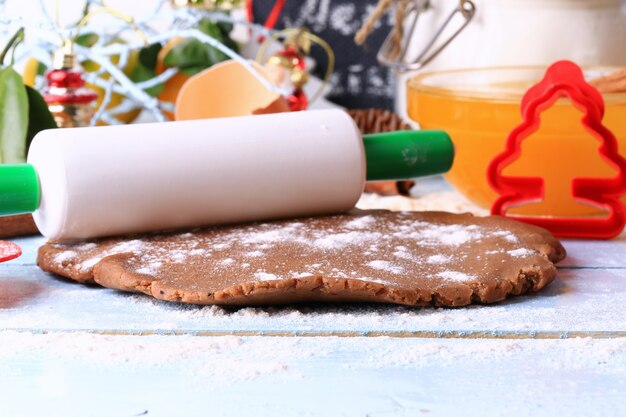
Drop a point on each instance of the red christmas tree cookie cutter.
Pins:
(563, 79)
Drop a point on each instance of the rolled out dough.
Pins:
(417, 259)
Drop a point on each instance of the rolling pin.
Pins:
(103, 181)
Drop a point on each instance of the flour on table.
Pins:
(233, 359)
(450, 201)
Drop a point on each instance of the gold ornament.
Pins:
(223, 5)
(287, 68)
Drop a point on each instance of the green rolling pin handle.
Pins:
(407, 154)
(19, 189)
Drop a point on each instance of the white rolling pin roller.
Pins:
(103, 181)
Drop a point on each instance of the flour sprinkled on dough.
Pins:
(65, 256)
(412, 258)
(456, 276)
(341, 240)
(521, 252)
(264, 276)
(364, 222)
(386, 266)
(438, 259)
(150, 268)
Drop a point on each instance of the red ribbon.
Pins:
(272, 18)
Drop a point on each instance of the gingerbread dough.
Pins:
(417, 259)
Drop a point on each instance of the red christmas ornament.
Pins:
(288, 68)
(9, 251)
(71, 104)
(563, 79)
(64, 86)
(298, 100)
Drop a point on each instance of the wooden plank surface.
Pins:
(72, 350)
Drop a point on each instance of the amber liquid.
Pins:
(560, 150)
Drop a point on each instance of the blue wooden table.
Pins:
(73, 350)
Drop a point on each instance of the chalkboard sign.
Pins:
(358, 80)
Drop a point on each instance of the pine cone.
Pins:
(377, 120)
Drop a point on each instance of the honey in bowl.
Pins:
(479, 108)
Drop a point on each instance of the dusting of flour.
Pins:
(232, 359)
(379, 244)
